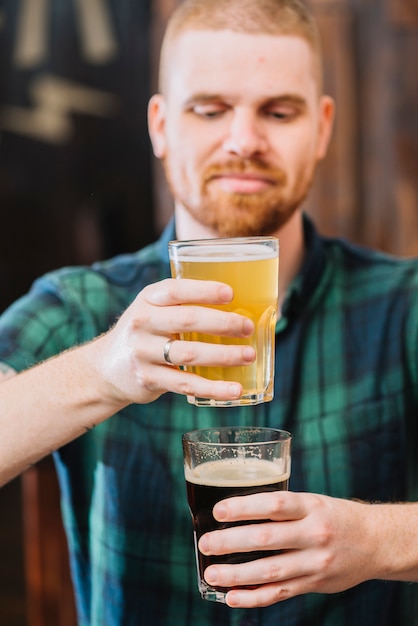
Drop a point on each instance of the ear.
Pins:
(156, 125)
(326, 122)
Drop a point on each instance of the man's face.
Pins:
(240, 128)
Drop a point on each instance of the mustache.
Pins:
(250, 167)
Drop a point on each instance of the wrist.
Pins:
(392, 530)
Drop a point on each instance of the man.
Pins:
(240, 125)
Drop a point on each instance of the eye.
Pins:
(209, 111)
(279, 115)
(282, 112)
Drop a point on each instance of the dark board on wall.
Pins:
(75, 186)
(75, 159)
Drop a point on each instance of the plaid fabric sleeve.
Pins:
(35, 327)
(61, 310)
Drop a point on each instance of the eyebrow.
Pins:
(202, 98)
(290, 98)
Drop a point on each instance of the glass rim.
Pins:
(222, 240)
(285, 435)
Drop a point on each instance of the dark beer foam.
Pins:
(237, 472)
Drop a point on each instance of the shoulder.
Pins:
(118, 278)
(71, 305)
(85, 297)
(368, 267)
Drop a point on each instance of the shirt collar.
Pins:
(305, 283)
(168, 234)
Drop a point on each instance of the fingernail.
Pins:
(220, 512)
(234, 390)
(226, 294)
(248, 327)
(211, 575)
(248, 353)
(203, 545)
(233, 598)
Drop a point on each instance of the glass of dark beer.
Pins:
(230, 461)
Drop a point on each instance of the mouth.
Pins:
(245, 183)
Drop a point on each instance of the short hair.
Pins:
(268, 17)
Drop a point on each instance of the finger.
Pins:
(203, 320)
(266, 595)
(250, 538)
(272, 569)
(187, 291)
(273, 505)
(177, 381)
(188, 353)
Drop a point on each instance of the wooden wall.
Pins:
(367, 189)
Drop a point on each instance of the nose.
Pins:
(245, 137)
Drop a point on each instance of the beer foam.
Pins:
(237, 472)
(224, 253)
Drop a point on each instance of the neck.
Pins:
(292, 251)
(292, 245)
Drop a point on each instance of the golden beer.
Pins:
(250, 267)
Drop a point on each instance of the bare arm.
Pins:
(52, 403)
(46, 407)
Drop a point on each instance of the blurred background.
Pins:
(78, 183)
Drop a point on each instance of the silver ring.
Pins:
(166, 352)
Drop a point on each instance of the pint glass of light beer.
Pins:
(230, 461)
(250, 265)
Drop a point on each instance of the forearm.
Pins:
(49, 405)
(395, 528)
(57, 401)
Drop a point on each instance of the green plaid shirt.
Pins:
(346, 387)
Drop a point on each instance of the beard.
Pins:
(234, 214)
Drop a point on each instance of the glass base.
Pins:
(208, 593)
(249, 399)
